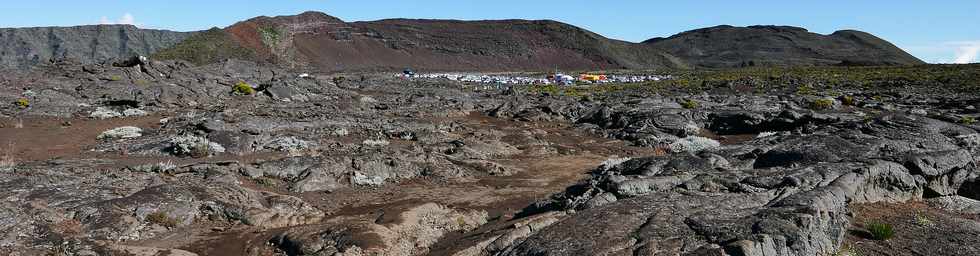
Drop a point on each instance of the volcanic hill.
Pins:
(319, 42)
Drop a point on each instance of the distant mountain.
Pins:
(319, 42)
(25, 47)
(727, 46)
(329, 44)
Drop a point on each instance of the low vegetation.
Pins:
(206, 47)
(880, 231)
(242, 88)
(271, 36)
(201, 150)
(922, 220)
(822, 104)
(162, 219)
(23, 103)
(847, 100)
(826, 81)
(689, 104)
(968, 120)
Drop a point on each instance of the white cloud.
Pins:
(967, 52)
(126, 19)
(958, 52)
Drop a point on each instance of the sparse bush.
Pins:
(271, 36)
(460, 221)
(266, 182)
(689, 104)
(922, 220)
(201, 150)
(847, 100)
(822, 104)
(880, 230)
(162, 219)
(194, 146)
(968, 120)
(243, 88)
(23, 103)
(115, 78)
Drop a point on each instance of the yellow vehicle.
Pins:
(592, 78)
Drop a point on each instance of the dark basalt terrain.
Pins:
(27, 47)
(727, 46)
(318, 42)
(153, 157)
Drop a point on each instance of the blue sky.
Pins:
(935, 31)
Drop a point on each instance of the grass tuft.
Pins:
(880, 231)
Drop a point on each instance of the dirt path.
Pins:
(43, 138)
(500, 196)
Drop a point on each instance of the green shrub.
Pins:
(847, 100)
(880, 230)
(211, 46)
(689, 104)
(162, 219)
(822, 104)
(968, 120)
(115, 78)
(243, 88)
(271, 36)
(267, 182)
(23, 103)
